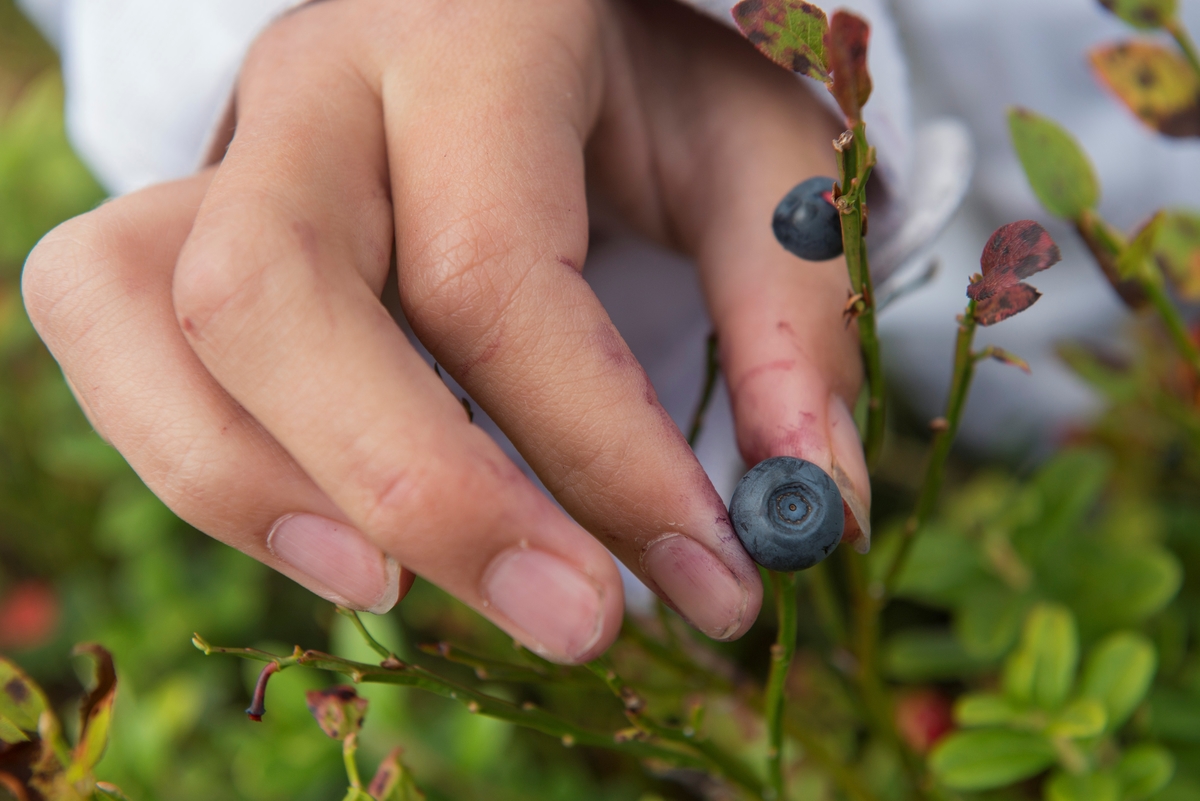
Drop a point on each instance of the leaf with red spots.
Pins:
(393, 781)
(1177, 251)
(339, 710)
(846, 47)
(1005, 303)
(1143, 14)
(1015, 251)
(789, 32)
(1154, 82)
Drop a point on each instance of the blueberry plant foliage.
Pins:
(1010, 636)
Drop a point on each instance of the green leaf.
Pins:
(1057, 168)
(789, 32)
(1042, 669)
(921, 655)
(1118, 673)
(1177, 251)
(988, 622)
(1120, 586)
(1086, 787)
(989, 758)
(941, 566)
(1144, 770)
(104, 790)
(1154, 82)
(10, 732)
(985, 709)
(1132, 263)
(21, 700)
(1143, 14)
(1082, 718)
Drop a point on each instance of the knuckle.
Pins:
(460, 270)
(208, 280)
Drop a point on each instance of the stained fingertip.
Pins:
(849, 471)
(699, 586)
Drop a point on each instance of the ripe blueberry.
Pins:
(788, 513)
(807, 223)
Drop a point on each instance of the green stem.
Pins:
(1176, 29)
(1176, 327)
(960, 387)
(855, 160)
(784, 586)
(712, 369)
(720, 762)
(526, 715)
(349, 748)
(375, 645)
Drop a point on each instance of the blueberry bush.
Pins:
(1013, 633)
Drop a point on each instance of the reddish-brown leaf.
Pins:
(1015, 251)
(339, 710)
(789, 32)
(1011, 300)
(1155, 83)
(846, 48)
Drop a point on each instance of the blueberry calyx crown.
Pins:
(807, 223)
(788, 513)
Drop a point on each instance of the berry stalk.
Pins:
(965, 360)
(784, 586)
(855, 160)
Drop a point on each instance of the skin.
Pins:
(226, 332)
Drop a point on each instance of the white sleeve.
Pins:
(148, 80)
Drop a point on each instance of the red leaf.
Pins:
(789, 32)
(1005, 303)
(846, 49)
(1015, 251)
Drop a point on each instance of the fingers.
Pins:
(99, 285)
(277, 292)
(492, 215)
(790, 360)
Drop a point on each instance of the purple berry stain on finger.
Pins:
(788, 513)
(807, 223)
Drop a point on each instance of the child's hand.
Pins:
(225, 332)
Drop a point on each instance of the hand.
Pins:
(225, 332)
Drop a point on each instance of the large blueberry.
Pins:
(788, 513)
(807, 223)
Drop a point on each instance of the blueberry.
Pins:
(788, 513)
(807, 223)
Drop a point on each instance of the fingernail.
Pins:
(348, 569)
(850, 474)
(700, 586)
(557, 606)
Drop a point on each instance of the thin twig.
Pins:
(855, 161)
